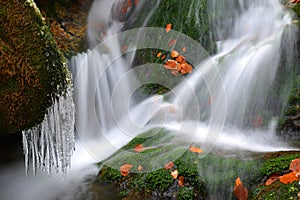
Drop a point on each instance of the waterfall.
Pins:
(238, 80)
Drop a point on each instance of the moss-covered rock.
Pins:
(32, 69)
(68, 22)
(205, 177)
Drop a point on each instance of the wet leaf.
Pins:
(168, 27)
(172, 42)
(163, 57)
(124, 48)
(274, 177)
(294, 1)
(169, 165)
(239, 190)
(185, 68)
(295, 165)
(195, 149)
(289, 178)
(174, 174)
(174, 54)
(125, 169)
(181, 181)
(181, 59)
(158, 54)
(140, 167)
(171, 64)
(258, 121)
(139, 148)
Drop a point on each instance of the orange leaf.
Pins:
(171, 64)
(139, 148)
(169, 165)
(172, 42)
(124, 169)
(295, 165)
(163, 57)
(129, 3)
(274, 177)
(289, 178)
(186, 68)
(239, 190)
(209, 101)
(136, 2)
(181, 59)
(158, 54)
(168, 27)
(181, 181)
(140, 167)
(258, 121)
(174, 54)
(184, 49)
(174, 174)
(124, 48)
(195, 149)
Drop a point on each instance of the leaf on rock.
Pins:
(172, 42)
(258, 121)
(295, 165)
(195, 149)
(289, 178)
(140, 167)
(184, 49)
(171, 64)
(158, 54)
(139, 148)
(136, 2)
(239, 190)
(274, 177)
(125, 169)
(174, 54)
(169, 165)
(168, 27)
(294, 1)
(181, 181)
(180, 59)
(174, 174)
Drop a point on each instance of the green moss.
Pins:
(185, 193)
(286, 122)
(277, 191)
(33, 70)
(159, 179)
(279, 164)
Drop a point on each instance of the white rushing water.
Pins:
(238, 80)
(252, 36)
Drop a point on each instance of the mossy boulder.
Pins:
(205, 176)
(32, 69)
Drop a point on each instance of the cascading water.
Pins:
(238, 81)
(251, 42)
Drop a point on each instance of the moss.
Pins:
(33, 71)
(279, 164)
(185, 193)
(277, 191)
(289, 122)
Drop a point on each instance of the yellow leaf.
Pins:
(174, 174)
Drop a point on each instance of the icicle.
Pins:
(50, 145)
(25, 150)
